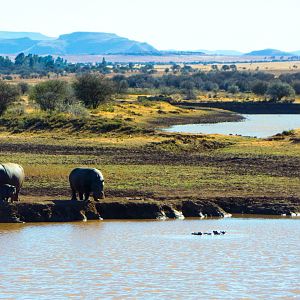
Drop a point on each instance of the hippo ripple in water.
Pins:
(86, 181)
(12, 174)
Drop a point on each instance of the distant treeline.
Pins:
(259, 83)
(175, 79)
(33, 66)
(30, 65)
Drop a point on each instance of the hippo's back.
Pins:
(85, 175)
(13, 174)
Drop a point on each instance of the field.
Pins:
(125, 140)
(152, 164)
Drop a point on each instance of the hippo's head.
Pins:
(98, 192)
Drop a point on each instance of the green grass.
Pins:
(138, 162)
(50, 172)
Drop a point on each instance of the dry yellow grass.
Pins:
(271, 67)
(141, 113)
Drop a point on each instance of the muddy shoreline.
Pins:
(68, 211)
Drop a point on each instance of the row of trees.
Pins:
(88, 90)
(91, 89)
(38, 66)
(259, 83)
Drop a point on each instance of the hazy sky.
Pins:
(166, 24)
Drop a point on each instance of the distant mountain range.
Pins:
(35, 36)
(222, 52)
(90, 43)
(269, 52)
(77, 43)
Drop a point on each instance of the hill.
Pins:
(35, 36)
(14, 46)
(268, 52)
(223, 52)
(77, 43)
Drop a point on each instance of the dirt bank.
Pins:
(67, 211)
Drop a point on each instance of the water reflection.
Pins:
(258, 258)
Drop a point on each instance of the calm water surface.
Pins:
(254, 125)
(258, 259)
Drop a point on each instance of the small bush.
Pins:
(8, 94)
(52, 95)
(233, 89)
(93, 89)
(23, 87)
(278, 90)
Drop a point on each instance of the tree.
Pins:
(188, 89)
(215, 67)
(259, 87)
(51, 95)
(175, 68)
(225, 68)
(278, 90)
(24, 87)
(93, 89)
(120, 83)
(20, 59)
(296, 86)
(8, 94)
(233, 89)
(233, 68)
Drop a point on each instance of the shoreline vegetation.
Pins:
(149, 173)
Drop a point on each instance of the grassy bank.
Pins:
(157, 165)
(139, 161)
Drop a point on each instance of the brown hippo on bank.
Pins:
(86, 181)
(12, 174)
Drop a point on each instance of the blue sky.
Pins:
(166, 24)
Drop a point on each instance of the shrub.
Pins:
(23, 87)
(259, 87)
(8, 94)
(93, 89)
(52, 95)
(233, 89)
(278, 90)
(296, 86)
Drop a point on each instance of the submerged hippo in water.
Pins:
(12, 174)
(86, 181)
(7, 192)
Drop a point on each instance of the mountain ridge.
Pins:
(269, 52)
(77, 43)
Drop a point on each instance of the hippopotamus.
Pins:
(12, 174)
(7, 191)
(86, 181)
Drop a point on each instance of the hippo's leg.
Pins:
(81, 196)
(86, 196)
(15, 197)
(74, 198)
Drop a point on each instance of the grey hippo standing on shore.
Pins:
(13, 175)
(87, 181)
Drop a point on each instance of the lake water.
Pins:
(254, 125)
(257, 259)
